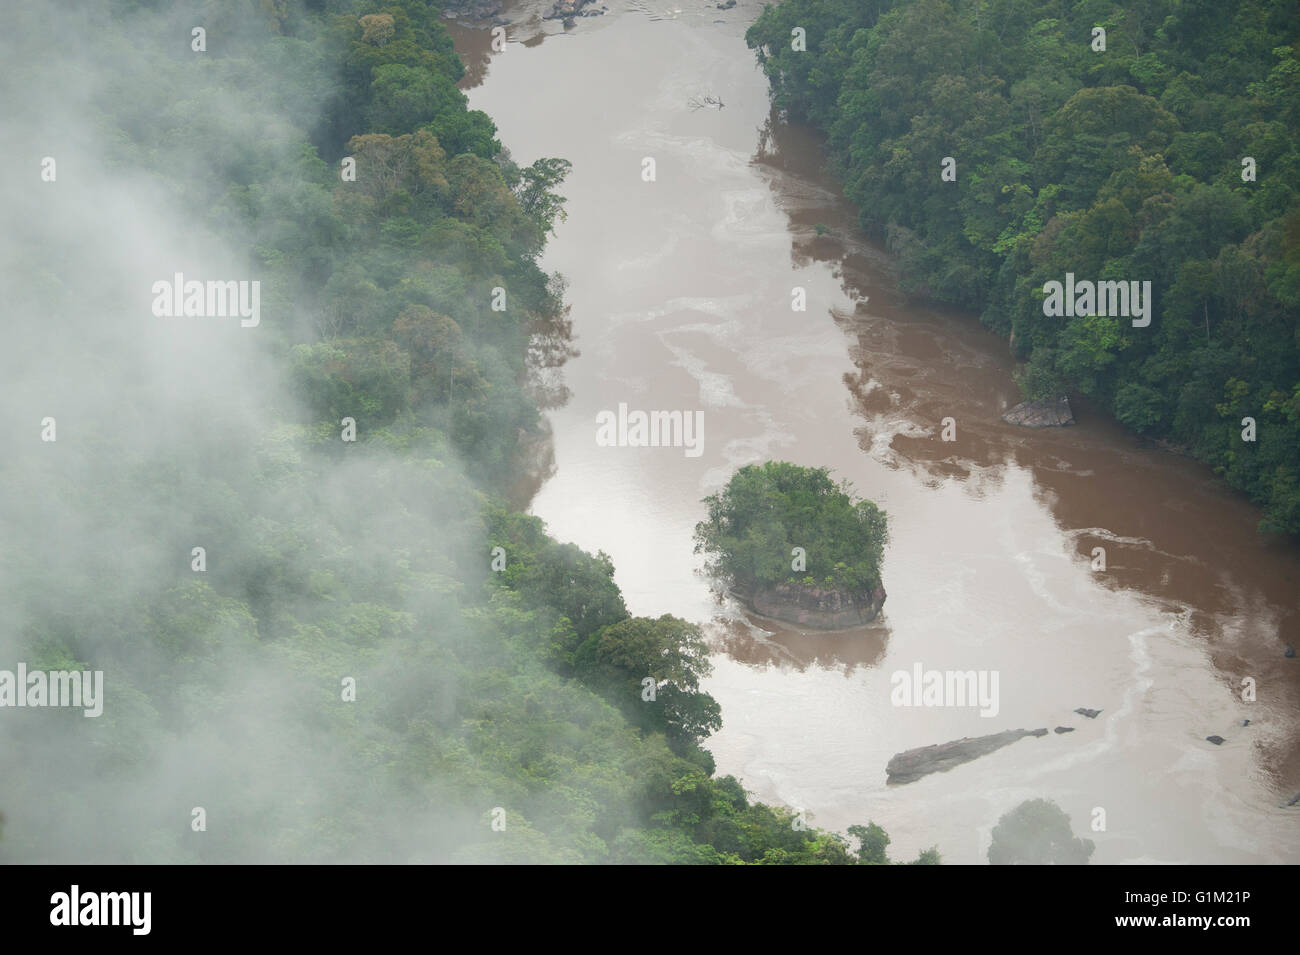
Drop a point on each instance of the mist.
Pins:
(225, 735)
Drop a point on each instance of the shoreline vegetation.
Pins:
(371, 657)
(795, 546)
(999, 148)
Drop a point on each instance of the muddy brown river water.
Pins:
(681, 292)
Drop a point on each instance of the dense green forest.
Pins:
(1169, 156)
(772, 512)
(337, 650)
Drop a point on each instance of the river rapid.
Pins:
(681, 292)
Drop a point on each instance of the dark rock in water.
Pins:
(1216, 740)
(1064, 729)
(1041, 414)
(727, 6)
(1290, 652)
(1245, 722)
(471, 9)
(819, 609)
(707, 100)
(1091, 714)
(912, 764)
(566, 10)
(1294, 799)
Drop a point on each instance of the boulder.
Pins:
(912, 764)
(1041, 414)
(1216, 740)
(1084, 711)
(1064, 729)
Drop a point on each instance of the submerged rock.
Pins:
(1064, 729)
(1216, 740)
(1084, 711)
(1041, 414)
(912, 764)
(706, 101)
(816, 608)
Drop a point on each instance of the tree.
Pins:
(433, 342)
(1037, 832)
(668, 650)
(406, 97)
(356, 378)
(873, 843)
(537, 195)
(411, 166)
(377, 28)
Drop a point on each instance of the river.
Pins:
(681, 292)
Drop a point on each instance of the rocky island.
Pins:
(793, 545)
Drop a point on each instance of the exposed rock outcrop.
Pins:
(1041, 414)
(566, 10)
(912, 764)
(472, 10)
(816, 608)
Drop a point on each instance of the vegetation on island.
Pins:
(1165, 151)
(780, 523)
